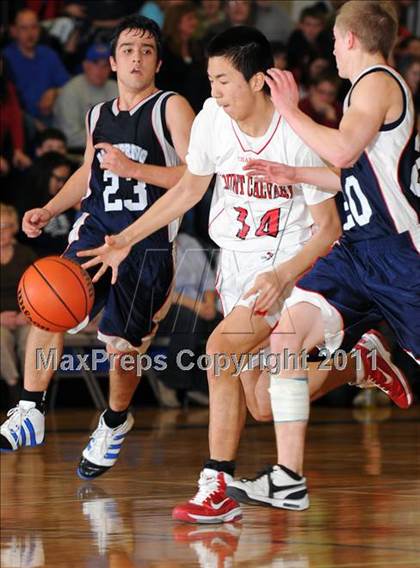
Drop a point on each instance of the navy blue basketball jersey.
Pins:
(381, 191)
(141, 133)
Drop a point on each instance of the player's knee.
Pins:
(123, 361)
(214, 345)
(261, 415)
(284, 343)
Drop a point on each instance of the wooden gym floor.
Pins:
(363, 469)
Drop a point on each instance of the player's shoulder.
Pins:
(381, 80)
(174, 101)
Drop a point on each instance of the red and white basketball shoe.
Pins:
(380, 371)
(210, 504)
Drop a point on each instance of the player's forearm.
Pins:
(324, 178)
(161, 176)
(317, 246)
(329, 143)
(169, 207)
(71, 193)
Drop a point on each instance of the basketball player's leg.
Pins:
(25, 425)
(239, 334)
(116, 421)
(328, 299)
(289, 394)
(135, 304)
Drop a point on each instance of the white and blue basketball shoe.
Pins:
(103, 449)
(25, 426)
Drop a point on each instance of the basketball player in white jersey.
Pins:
(261, 228)
(373, 273)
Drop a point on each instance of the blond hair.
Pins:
(375, 24)
(9, 211)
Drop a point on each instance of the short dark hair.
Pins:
(49, 134)
(247, 49)
(141, 23)
(312, 12)
(325, 77)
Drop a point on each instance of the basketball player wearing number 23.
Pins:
(134, 151)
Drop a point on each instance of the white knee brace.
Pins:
(289, 399)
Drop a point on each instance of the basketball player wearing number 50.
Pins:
(135, 148)
(373, 273)
(266, 236)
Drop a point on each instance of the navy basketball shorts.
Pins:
(131, 308)
(360, 284)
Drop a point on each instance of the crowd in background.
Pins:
(54, 66)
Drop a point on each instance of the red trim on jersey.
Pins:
(414, 129)
(265, 145)
(381, 190)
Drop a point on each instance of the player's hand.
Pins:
(34, 221)
(112, 159)
(109, 255)
(284, 90)
(268, 286)
(271, 172)
(8, 319)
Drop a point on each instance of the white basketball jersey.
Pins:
(247, 214)
(381, 190)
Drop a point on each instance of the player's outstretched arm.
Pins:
(177, 201)
(270, 285)
(357, 129)
(327, 179)
(70, 195)
(179, 118)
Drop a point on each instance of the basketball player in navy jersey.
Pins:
(373, 273)
(135, 148)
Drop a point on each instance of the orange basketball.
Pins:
(55, 293)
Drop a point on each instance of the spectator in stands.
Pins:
(273, 20)
(48, 175)
(321, 102)
(409, 46)
(315, 67)
(11, 126)
(50, 140)
(45, 9)
(191, 319)
(210, 13)
(183, 63)
(83, 92)
(238, 13)
(15, 259)
(156, 9)
(279, 55)
(306, 43)
(35, 69)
